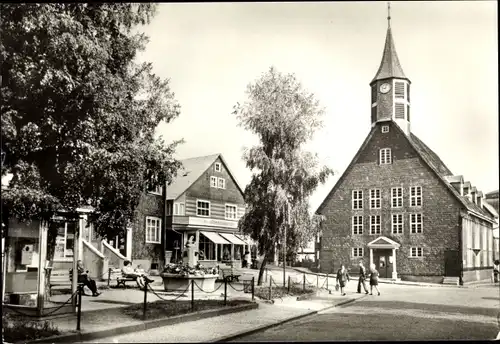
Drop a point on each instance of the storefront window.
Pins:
(65, 239)
(206, 248)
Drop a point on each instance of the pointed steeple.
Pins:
(390, 66)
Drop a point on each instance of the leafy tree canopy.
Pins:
(79, 113)
(284, 116)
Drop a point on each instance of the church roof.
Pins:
(431, 159)
(389, 66)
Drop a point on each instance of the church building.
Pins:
(398, 206)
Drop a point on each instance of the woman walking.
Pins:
(342, 278)
(373, 279)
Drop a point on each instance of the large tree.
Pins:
(284, 116)
(79, 113)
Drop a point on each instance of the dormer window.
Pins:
(218, 167)
(385, 129)
(385, 156)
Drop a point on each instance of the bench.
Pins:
(120, 278)
(228, 275)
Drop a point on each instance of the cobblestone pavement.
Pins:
(400, 313)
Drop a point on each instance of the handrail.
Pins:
(112, 249)
(93, 249)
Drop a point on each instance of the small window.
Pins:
(357, 225)
(218, 167)
(357, 252)
(153, 230)
(203, 208)
(221, 183)
(181, 209)
(397, 223)
(397, 197)
(399, 89)
(375, 224)
(385, 129)
(400, 110)
(213, 182)
(375, 199)
(416, 223)
(385, 156)
(357, 199)
(416, 196)
(230, 212)
(416, 252)
(374, 93)
(176, 208)
(374, 114)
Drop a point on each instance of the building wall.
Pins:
(440, 210)
(149, 205)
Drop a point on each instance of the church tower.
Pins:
(390, 88)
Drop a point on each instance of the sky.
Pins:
(449, 51)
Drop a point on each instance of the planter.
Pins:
(175, 282)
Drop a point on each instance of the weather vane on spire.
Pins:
(389, 13)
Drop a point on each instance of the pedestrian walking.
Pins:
(362, 278)
(342, 278)
(496, 270)
(373, 279)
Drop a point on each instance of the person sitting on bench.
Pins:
(138, 274)
(83, 277)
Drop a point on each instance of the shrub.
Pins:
(16, 329)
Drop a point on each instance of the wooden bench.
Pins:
(228, 275)
(121, 279)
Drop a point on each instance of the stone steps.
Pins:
(451, 280)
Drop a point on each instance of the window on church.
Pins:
(385, 129)
(213, 181)
(357, 199)
(375, 224)
(408, 113)
(374, 93)
(416, 196)
(397, 197)
(397, 223)
(399, 89)
(400, 110)
(357, 225)
(375, 199)
(408, 93)
(374, 114)
(416, 223)
(416, 252)
(385, 156)
(357, 252)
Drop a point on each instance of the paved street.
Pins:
(400, 313)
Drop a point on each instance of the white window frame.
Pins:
(357, 252)
(228, 205)
(395, 198)
(414, 222)
(182, 209)
(357, 224)
(213, 181)
(149, 238)
(374, 199)
(357, 202)
(415, 197)
(416, 252)
(218, 167)
(385, 156)
(67, 251)
(398, 226)
(198, 208)
(374, 225)
(385, 129)
(219, 180)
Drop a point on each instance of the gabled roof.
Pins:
(192, 169)
(389, 66)
(431, 159)
(383, 242)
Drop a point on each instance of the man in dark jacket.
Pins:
(362, 278)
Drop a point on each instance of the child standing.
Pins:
(373, 279)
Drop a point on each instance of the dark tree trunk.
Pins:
(262, 267)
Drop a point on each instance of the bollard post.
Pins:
(270, 287)
(288, 284)
(79, 310)
(145, 300)
(253, 290)
(304, 282)
(225, 291)
(192, 295)
(109, 275)
(327, 281)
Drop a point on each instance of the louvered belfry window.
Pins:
(408, 112)
(399, 89)
(400, 110)
(408, 92)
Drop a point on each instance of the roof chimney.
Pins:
(473, 193)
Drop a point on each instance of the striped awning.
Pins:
(233, 238)
(215, 237)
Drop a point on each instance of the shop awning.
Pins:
(233, 239)
(215, 238)
(246, 239)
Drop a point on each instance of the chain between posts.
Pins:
(161, 298)
(51, 312)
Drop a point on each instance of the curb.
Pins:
(146, 325)
(278, 323)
